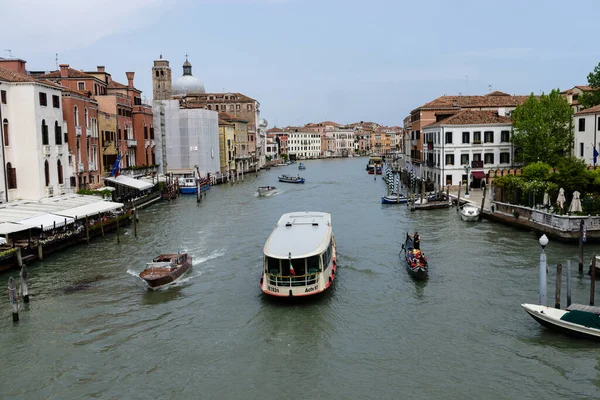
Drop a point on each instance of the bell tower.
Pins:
(161, 80)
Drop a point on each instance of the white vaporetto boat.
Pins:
(299, 255)
(469, 212)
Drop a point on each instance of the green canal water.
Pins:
(376, 335)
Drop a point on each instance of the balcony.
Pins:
(131, 143)
(152, 143)
(61, 188)
(80, 167)
(88, 132)
(77, 131)
(92, 166)
(147, 143)
(60, 149)
(49, 191)
(46, 150)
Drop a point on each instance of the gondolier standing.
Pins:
(416, 241)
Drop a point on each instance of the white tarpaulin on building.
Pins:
(129, 182)
(90, 209)
(9, 227)
(47, 221)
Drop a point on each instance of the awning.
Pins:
(47, 221)
(129, 182)
(478, 174)
(8, 227)
(90, 209)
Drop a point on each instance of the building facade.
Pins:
(302, 145)
(586, 126)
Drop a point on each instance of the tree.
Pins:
(592, 98)
(542, 128)
(572, 175)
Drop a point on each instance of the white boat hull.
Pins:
(550, 318)
(469, 213)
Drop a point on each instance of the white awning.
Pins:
(8, 227)
(129, 182)
(90, 209)
(47, 221)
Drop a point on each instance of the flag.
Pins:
(115, 169)
(595, 155)
(292, 272)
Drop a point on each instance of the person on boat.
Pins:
(416, 240)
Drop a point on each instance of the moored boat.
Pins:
(266, 190)
(416, 263)
(299, 255)
(574, 322)
(301, 166)
(469, 212)
(166, 269)
(291, 179)
(188, 186)
(394, 199)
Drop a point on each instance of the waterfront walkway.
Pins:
(475, 196)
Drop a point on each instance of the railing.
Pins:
(91, 166)
(77, 131)
(46, 150)
(292, 281)
(147, 144)
(131, 142)
(59, 148)
(49, 191)
(61, 188)
(80, 167)
(565, 223)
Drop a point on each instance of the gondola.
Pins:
(416, 263)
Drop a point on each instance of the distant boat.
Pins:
(166, 269)
(266, 190)
(394, 199)
(574, 323)
(291, 179)
(469, 212)
(301, 166)
(188, 186)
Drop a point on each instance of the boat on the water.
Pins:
(166, 269)
(469, 212)
(571, 322)
(291, 179)
(374, 160)
(188, 186)
(301, 166)
(394, 199)
(299, 255)
(266, 190)
(416, 263)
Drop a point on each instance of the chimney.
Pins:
(100, 68)
(502, 112)
(64, 70)
(130, 78)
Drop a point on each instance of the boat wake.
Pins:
(215, 254)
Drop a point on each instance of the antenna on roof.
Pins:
(490, 88)
(467, 84)
(9, 53)
(56, 59)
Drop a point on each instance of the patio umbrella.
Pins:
(546, 201)
(575, 203)
(561, 198)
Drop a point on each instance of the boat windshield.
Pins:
(302, 266)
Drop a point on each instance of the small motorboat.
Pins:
(166, 269)
(416, 263)
(266, 190)
(469, 212)
(394, 199)
(424, 200)
(291, 179)
(571, 322)
(301, 166)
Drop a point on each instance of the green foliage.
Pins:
(8, 252)
(572, 175)
(268, 158)
(592, 98)
(103, 193)
(590, 203)
(284, 156)
(542, 128)
(536, 171)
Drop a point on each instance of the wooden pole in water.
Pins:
(40, 250)
(87, 230)
(14, 300)
(593, 276)
(118, 235)
(483, 203)
(447, 192)
(458, 197)
(581, 246)
(102, 224)
(24, 288)
(568, 283)
(135, 222)
(558, 284)
(19, 257)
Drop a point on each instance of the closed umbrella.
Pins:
(546, 201)
(561, 198)
(575, 203)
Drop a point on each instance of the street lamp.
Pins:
(543, 270)
(467, 170)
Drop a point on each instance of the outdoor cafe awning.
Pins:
(478, 174)
(129, 182)
(48, 221)
(90, 209)
(9, 227)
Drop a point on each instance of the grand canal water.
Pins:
(377, 335)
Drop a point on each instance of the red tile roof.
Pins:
(458, 102)
(71, 73)
(497, 93)
(11, 76)
(275, 129)
(591, 110)
(116, 85)
(231, 118)
(474, 117)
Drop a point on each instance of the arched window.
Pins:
(45, 140)
(57, 133)
(76, 113)
(60, 172)
(5, 129)
(47, 172)
(86, 116)
(145, 132)
(157, 73)
(12, 176)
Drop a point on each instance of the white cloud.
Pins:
(62, 25)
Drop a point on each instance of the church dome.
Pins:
(187, 84)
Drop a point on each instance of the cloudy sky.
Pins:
(314, 60)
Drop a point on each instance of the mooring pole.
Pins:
(568, 283)
(558, 284)
(102, 224)
(14, 300)
(458, 197)
(593, 276)
(19, 257)
(118, 235)
(87, 230)
(135, 222)
(581, 246)
(483, 203)
(24, 288)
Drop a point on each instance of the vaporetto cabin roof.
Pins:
(303, 234)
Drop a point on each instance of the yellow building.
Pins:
(240, 141)
(227, 145)
(107, 127)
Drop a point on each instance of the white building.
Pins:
(186, 137)
(586, 125)
(344, 141)
(478, 139)
(304, 145)
(35, 157)
(272, 149)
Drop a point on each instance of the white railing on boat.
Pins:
(291, 281)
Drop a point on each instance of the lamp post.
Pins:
(543, 270)
(467, 170)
